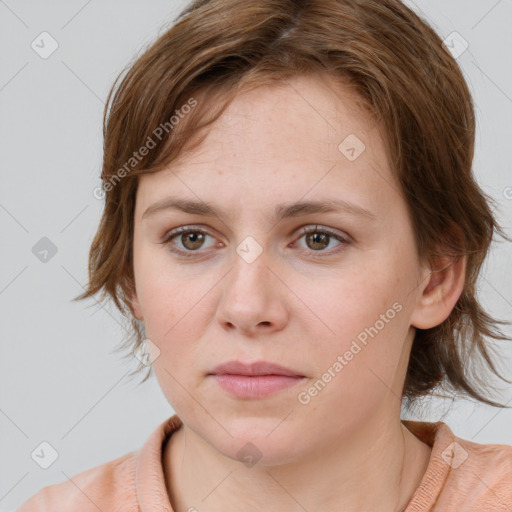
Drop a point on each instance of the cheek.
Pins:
(164, 295)
(364, 325)
(353, 300)
(176, 310)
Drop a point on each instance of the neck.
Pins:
(383, 457)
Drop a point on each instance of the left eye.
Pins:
(192, 239)
(320, 238)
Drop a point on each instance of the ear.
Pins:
(440, 291)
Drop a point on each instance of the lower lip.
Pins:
(244, 386)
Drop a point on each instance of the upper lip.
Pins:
(256, 368)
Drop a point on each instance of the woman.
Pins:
(292, 224)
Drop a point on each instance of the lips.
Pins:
(254, 381)
(254, 369)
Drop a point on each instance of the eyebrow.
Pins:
(282, 211)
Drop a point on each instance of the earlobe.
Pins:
(440, 293)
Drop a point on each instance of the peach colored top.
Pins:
(461, 476)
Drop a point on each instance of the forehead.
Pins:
(280, 142)
(291, 119)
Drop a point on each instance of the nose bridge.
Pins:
(252, 296)
(250, 275)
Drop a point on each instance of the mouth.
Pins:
(256, 380)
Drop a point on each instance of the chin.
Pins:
(261, 452)
(265, 441)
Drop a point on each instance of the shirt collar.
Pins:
(152, 491)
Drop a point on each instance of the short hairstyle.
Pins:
(405, 78)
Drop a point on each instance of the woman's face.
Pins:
(244, 283)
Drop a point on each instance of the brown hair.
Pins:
(404, 76)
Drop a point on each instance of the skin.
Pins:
(279, 144)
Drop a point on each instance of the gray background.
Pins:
(60, 380)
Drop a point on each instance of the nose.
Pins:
(253, 299)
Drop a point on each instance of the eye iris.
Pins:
(196, 238)
(318, 239)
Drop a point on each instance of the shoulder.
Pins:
(490, 462)
(479, 475)
(461, 474)
(109, 486)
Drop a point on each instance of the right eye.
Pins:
(191, 239)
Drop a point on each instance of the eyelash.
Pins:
(304, 231)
